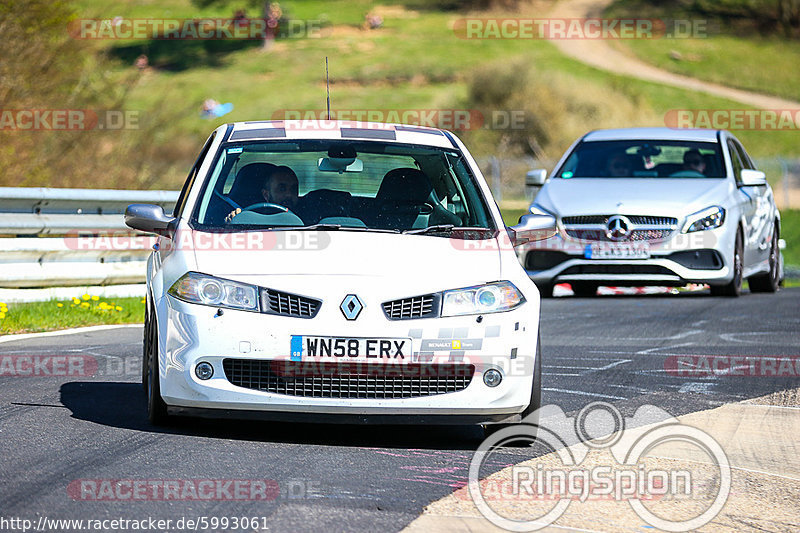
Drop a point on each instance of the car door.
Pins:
(755, 207)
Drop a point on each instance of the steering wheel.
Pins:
(261, 205)
(687, 174)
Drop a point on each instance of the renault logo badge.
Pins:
(351, 307)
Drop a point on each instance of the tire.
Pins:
(156, 408)
(584, 289)
(145, 337)
(545, 288)
(768, 282)
(533, 406)
(734, 288)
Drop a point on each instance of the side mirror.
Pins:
(149, 219)
(752, 178)
(533, 228)
(536, 177)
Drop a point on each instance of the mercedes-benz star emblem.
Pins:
(618, 228)
(351, 307)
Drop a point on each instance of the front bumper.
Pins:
(702, 257)
(191, 333)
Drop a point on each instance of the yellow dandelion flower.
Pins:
(95, 297)
(85, 296)
(59, 305)
(84, 304)
(2, 315)
(118, 308)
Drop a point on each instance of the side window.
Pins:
(187, 185)
(735, 161)
(745, 159)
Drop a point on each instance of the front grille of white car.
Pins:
(415, 307)
(287, 304)
(642, 228)
(348, 380)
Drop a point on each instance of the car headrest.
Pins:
(405, 185)
(249, 181)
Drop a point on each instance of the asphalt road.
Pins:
(56, 431)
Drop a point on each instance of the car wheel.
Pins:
(156, 408)
(545, 289)
(145, 341)
(734, 288)
(584, 289)
(768, 282)
(530, 419)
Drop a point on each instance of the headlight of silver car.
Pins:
(490, 298)
(709, 218)
(208, 290)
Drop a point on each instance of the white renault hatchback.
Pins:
(656, 206)
(339, 272)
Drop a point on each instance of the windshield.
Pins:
(644, 159)
(333, 184)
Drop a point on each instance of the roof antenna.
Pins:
(327, 87)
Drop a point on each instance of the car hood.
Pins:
(646, 196)
(298, 259)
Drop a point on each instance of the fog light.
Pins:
(204, 371)
(492, 377)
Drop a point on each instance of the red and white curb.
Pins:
(564, 289)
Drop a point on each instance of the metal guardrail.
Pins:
(65, 237)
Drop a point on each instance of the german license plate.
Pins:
(602, 250)
(305, 348)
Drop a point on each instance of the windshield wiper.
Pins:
(333, 227)
(443, 228)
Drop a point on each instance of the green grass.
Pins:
(728, 48)
(414, 62)
(762, 65)
(47, 316)
(790, 232)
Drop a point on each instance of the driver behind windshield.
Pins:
(280, 187)
(692, 160)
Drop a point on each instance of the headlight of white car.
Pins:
(208, 290)
(489, 298)
(708, 218)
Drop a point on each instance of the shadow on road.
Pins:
(122, 405)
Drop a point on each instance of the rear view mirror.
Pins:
(533, 228)
(535, 177)
(340, 164)
(752, 178)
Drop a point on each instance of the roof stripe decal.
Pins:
(262, 133)
(368, 133)
(415, 129)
